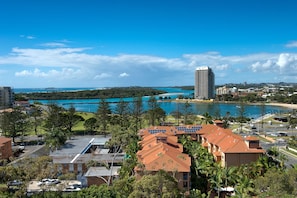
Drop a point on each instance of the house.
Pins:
(101, 175)
(80, 153)
(5, 148)
(161, 151)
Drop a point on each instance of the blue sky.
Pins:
(100, 43)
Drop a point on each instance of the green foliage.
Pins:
(90, 124)
(67, 176)
(103, 114)
(277, 184)
(14, 123)
(116, 92)
(102, 191)
(152, 110)
(158, 185)
(186, 111)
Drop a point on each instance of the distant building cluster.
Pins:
(264, 92)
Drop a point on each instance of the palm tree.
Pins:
(216, 179)
(207, 119)
(244, 186)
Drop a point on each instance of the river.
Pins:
(91, 105)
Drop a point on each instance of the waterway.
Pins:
(91, 105)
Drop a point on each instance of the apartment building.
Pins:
(227, 148)
(161, 151)
(204, 83)
(6, 97)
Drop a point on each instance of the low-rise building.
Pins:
(102, 175)
(5, 148)
(82, 152)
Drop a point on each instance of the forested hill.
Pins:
(117, 92)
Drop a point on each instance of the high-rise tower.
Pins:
(6, 97)
(204, 83)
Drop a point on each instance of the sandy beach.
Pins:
(289, 106)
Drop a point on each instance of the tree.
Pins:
(241, 112)
(160, 114)
(123, 187)
(277, 184)
(152, 107)
(37, 117)
(186, 110)
(55, 138)
(207, 119)
(158, 185)
(245, 186)
(122, 110)
(102, 191)
(177, 114)
(71, 119)
(263, 110)
(54, 118)
(226, 120)
(14, 123)
(90, 124)
(137, 111)
(103, 114)
(216, 179)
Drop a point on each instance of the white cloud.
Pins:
(285, 64)
(53, 44)
(35, 73)
(27, 37)
(64, 73)
(291, 44)
(123, 75)
(102, 75)
(61, 63)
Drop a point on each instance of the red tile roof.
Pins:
(167, 153)
(164, 157)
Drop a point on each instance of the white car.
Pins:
(22, 147)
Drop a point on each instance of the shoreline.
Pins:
(289, 106)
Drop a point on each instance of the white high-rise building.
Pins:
(204, 83)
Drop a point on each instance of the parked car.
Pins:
(14, 183)
(22, 146)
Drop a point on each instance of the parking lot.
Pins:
(48, 184)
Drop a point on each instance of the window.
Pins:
(79, 167)
(71, 168)
(185, 176)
